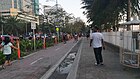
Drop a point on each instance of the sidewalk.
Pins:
(35, 65)
(112, 69)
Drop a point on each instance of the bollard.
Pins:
(44, 43)
(18, 51)
(63, 39)
(55, 40)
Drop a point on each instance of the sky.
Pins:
(70, 6)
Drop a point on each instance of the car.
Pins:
(11, 37)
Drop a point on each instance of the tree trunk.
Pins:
(128, 14)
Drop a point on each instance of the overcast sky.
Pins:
(70, 6)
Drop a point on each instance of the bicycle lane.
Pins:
(35, 65)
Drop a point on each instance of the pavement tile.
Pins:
(112, 69)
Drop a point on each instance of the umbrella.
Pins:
(135, 21)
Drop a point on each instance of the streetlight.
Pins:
(56, 21)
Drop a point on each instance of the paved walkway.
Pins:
(35, 65)
(112, 69)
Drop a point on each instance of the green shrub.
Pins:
(26, 47)
(2, 58)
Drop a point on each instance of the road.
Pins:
(35, 65)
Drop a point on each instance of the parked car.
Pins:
(11, 37)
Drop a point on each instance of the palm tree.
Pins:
(12, 25)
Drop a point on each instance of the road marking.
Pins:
(35, 61)
(57, 49)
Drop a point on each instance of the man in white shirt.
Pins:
(97, 43)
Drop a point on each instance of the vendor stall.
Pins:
(130, 44)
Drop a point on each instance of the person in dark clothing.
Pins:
(65, 38)
(87, 36)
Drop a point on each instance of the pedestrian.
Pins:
(64, 38)
(75, 37)
(7, 45)
(97, 42)
(87, 35)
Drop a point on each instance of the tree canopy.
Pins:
(107, 13)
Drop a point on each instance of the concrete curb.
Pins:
(73, 72)
(53, 68)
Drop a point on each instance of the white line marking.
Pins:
(35, 61)
(57, 49)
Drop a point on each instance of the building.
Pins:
(22, 9)
(36, 7)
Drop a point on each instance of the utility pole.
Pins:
(128, 13)
(58, 27)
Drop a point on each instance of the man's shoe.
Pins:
(101, 64)
(3, 67)
(96, 64)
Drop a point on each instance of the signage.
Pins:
(13, 12)
(33, 25)
(57, 29)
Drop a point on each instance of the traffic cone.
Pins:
(18, 51)
(55, 40)
(44, 43)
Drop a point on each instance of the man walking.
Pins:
(97, 43)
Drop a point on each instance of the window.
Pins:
(15, 3)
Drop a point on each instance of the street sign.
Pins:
(33, 25)
(57, 29)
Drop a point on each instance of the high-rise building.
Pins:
(36, 7)
(6, 7)
(23, 9)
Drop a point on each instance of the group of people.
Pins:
(6, 46)
(66, 37)
(96, 41)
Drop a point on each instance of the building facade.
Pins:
(23, 9)
(36, 7)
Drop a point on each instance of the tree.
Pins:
(12, 25)
(106, 12)
(76, 27)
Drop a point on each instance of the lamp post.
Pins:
(56, 21)
(57, 27)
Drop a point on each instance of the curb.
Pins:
(53, 68)
(73, 72)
